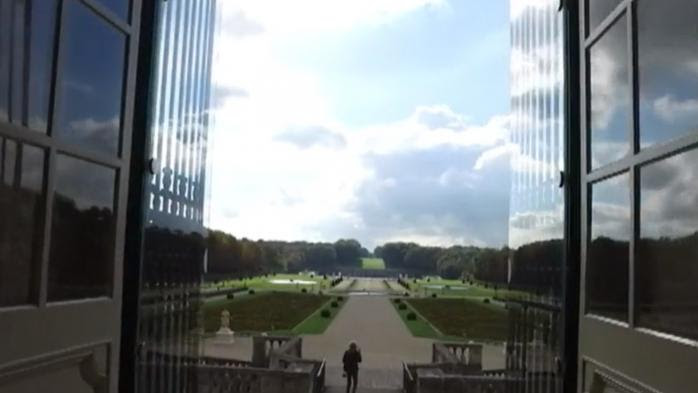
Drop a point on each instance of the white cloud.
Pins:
(670, 109)
(279, 17)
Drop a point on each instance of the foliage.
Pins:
(326, 313)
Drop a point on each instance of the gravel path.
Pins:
(383, 338)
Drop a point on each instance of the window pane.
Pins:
(667, 255)
(21, 217)
(119, 7)
(598, 10)
(5, 29)
(82, 232)
(43, 25)
(92, 81)
(668, 69)
(607, 255)
(609, 121)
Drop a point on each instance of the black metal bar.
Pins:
(573, 152)
(137, 203)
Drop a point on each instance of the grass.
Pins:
(264, 312)
(475, 291)
(418, 327)
(316, 323)
(262, 283)
(373, 263)
(467, 318)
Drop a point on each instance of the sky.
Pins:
(379, 120)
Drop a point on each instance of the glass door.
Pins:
(66, 86)
(639, 301)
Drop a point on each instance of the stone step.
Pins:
(369, 378)
(342, 389)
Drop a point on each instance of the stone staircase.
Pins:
(342, 389)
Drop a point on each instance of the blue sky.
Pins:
(380, 120)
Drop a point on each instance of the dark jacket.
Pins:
(351, 360)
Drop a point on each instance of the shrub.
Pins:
(251, 291)
(321, 293)
(411, 316)
(340, 298)
(334, 304)
(402, 306)
(304, 290)
(397, 300)
(433, 295)
(325, 313)
(230, 296)
(447, 287)
(407, 294)
(486, 300)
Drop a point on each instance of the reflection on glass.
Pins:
(43, 20)
(82, 231)
(92, 82)
(26, 54)
(668, 69)
(609, 96)
(608, 249)
(5, 29)
(21, 215)
(119, 7)
(598, 10)
(667, 254)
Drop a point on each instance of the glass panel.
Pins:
(26, 57)
(119, 7)
(668, 69)
(610, 116)
(82, 231)
(598, 10)
(43, 25)
(92, 81)
(5, 29)
(608, 250)
(21, 209)
(16, 61)
(667, 253)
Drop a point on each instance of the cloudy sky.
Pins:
(380, 120)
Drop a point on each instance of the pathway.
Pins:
(383, 338)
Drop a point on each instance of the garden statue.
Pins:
(224, 334)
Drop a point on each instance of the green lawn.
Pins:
(456, 288)
(296, 282)
(373, 263)
(263, 312)
(316, 323)
(418, 327)
(467, 318)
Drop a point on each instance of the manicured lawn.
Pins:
(418, 327)
(263, 312)
(316, 323)
(467, 318)
(284, 282)
(373, 263)
(456, 288)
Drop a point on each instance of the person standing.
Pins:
(351, 360)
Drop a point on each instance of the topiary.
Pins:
(325, 313)
(340, 298)
(304, 290)
(407, 294)
(433, 295)
(486, 300)
(402, 306)
(411, 316)
(230, 296)
(251, 291)
(334, 304)
(397, 300)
